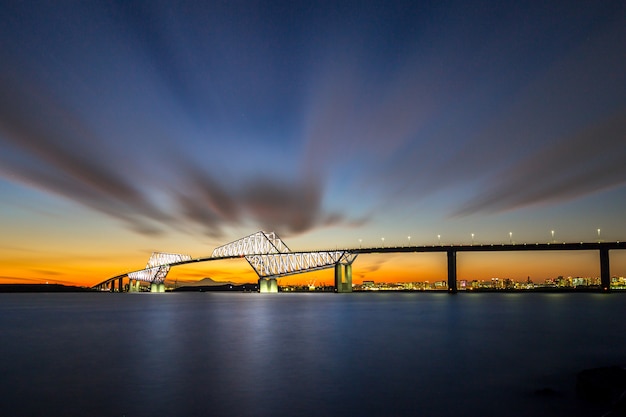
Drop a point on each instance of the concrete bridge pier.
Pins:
(343, 278)
(451, 271)
(605, 270)
(112, 286)
(268, 285)
(154, 287)
(133, 286)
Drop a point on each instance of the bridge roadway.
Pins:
(451, 251)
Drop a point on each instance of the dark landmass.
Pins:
(536, 289)
(5, 288)
(224, 287)
(605, 386)
(501, 290)
(592, 289)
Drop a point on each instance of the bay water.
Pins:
(301, 354)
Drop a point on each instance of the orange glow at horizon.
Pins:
(88, 271)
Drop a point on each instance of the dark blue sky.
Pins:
(331, 121)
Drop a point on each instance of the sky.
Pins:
(128, 127)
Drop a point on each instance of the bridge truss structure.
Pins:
(266, 253)
(256, 243)
(270, 257)
(158, 266)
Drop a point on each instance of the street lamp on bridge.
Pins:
(383, 239)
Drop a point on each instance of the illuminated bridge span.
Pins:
(268, 255)
(158, 266)
(256, 243)
(271, 258)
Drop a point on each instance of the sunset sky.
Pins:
(137, 126)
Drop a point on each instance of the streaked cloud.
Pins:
(60, 154)
(588, 162)
(165, 119)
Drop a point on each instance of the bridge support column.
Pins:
(120, 285)
(343, 278)
(348, 276)
(452, 272)
(605, 270)
(268, 285)
(154, 287)
(112, 287)
(161, 287)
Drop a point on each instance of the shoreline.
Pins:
(56, 288)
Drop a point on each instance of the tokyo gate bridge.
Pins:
(271, 258)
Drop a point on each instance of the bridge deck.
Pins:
(508, 247)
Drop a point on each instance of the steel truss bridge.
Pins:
(271, 258)
(266, 253)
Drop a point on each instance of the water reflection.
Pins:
(301, 354)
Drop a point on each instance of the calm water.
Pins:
(205, 354)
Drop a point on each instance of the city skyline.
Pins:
(133, 127)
